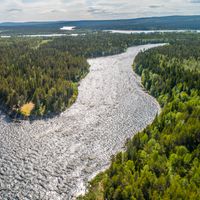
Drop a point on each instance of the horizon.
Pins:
(68, 10)
(82, 20)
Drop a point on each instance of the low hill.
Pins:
(152, 23)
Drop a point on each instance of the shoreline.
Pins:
(84, 189)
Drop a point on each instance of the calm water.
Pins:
(150, 31)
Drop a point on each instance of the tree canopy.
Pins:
(163, 161)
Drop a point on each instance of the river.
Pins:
(54, 158)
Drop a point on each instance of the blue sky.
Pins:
(43, 10)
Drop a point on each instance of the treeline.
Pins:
(97, 44)
(163, 161)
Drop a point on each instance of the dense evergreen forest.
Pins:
(102, 43)
(95, 44)
(40, 76)
(163, 161)
(44, 76)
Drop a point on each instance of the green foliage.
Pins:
(163, 161)
(46, 72)
(102, 44)
(32, 72)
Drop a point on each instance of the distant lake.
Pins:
(111, 31)
(44, 35)
(5, 36)
(150, 31)
(68, 28)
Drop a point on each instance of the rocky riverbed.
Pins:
(54, 158)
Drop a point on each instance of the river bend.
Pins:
(54, 159)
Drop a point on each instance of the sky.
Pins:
(53, 10)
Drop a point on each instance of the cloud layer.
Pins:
(42, 10)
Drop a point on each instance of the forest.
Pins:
(40, 76)
(162, 161)
(46, 77)
(46, 71)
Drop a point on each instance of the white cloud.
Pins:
(42, 10)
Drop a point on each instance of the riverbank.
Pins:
(162, 160)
